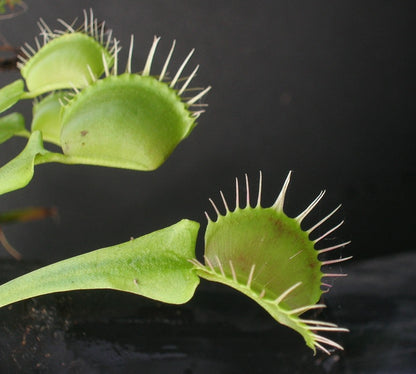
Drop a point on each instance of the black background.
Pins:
(323, 88)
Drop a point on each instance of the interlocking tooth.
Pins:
(225, 202)
(328, 232)
(247, 192)
(333, 247)
(237, 195)
(149, 60)
(302, 215)
(250, 277)
(185, 85)
(279, 203)
(329, 262)
(215, 207)
(233, 273)
(260, 188)
(179, 72)
(128, 65)
(286, 293)
(165, 65)
(323, 220)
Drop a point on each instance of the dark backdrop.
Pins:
(323, 88)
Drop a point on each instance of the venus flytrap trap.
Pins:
(266, 255)
(98, 116)
(258, 251)
(66, 58)
(128, 120)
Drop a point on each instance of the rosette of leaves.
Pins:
(96, 115)
(258, 251)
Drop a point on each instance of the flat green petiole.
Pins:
(155, 265)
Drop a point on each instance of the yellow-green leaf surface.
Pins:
(18, 172)
(155, 265)
(10, 125)
(10, 94)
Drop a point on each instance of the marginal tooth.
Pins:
(179, 72)
(233, 271)
(37, 43)
(209, 264)
(26, 52)
(322, 348)
(225, 202)
(313, 322)
(198, 96)
(260, 188)
(334, 275)
(165, 65)
(96, 35)
(237, 195)
(92, 75)
(326, 285)
(250, 276)
(116, 50)
(128, 65)
(148, 65)
(328, 232)
(195, 262)
(302, 215)
(45, 26)
(306, 308)
(102, 28)
(286, 293)
(327, 341)
(247, 192)
(185, 85)
(106, 69)
(66, 25)
(323, 220)
(329, 262)
(332, 329)
(215, 207)
(85, 21)
(91, 22)
(279, 203)
(21, 58)
(29, 47)
(220, 266)
(197, 113)
(208, 217)
(333, 247)
(109, 38)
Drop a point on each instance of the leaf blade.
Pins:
(155, 265)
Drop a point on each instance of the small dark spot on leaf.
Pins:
(84, 132)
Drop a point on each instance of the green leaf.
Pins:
(155, 265)
(18, 172)
(46, 117)
(10, 125)
(10, 94)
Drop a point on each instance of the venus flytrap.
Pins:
(258, 251)
(66, 58)
(99, 116)
(265, 254)
(128, 120)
